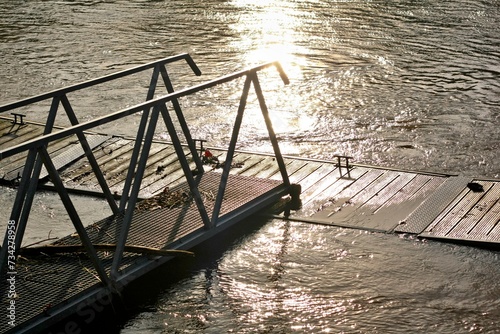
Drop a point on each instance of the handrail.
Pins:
(45, 139)
(39, 156)
(106, 78)
(152, 110)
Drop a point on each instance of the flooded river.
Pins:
(406, 84)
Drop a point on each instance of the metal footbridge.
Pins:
(39, 290)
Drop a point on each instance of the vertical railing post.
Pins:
(231, 149)
(138, 140)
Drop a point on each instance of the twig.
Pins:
(41, 241)
(88, 270)
(57, 249)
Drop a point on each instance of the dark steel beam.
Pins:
(182, 120)
(73, 215)
(129, 211)
(138, 141)
(193, 186)
(272, 134)
(90, 156)
(34, 175)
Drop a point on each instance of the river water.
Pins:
(407, 84)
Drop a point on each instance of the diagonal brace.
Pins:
(138, 141)
(185, 166)
(90, 156)
(182, 120)
(270, 130)
(231, 149)
(73, 214)
(136, 187)
(26, 193)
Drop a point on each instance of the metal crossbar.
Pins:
(152, 110)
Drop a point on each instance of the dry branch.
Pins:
(58, 249)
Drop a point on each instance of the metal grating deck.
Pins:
(159, 228)
(43, 282)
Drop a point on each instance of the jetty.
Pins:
(167, 196)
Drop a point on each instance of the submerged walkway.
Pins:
(437, 206)
(429, 205)
(380, 199)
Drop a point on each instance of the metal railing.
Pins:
(152, 110)
(38, 155)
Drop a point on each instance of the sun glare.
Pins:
(267, 32)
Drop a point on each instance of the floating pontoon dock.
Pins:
(209, 196)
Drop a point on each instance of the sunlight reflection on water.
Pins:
(409, 84)
(305, 278)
